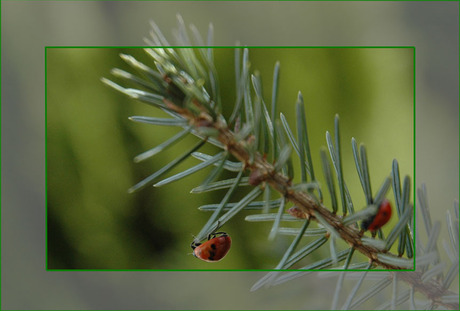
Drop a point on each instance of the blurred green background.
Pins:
(93, 223)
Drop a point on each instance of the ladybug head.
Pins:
(194, 245)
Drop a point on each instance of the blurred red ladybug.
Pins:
(377, 221)
(214, 249)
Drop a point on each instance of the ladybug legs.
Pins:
(194, 245)
(211, 235)
(214, 234)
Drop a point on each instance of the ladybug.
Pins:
(214, 249)
(378, 220)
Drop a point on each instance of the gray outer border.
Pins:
(432, 27)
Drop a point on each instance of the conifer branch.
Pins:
(257, 165)
(179, 86)
(185, 86)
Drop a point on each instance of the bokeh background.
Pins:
(27, 27)
(93, 223)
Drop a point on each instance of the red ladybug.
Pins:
(214, 249)
(377, 221)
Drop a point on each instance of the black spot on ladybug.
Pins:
(211, 255)
(213, 246)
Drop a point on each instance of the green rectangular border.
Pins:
(223, 270)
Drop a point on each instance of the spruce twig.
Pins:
(185, 86)
(179, 87)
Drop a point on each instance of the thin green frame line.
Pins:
(414, 187)
(46, 156)
(225, 270)
(232, 47)
(259, 0)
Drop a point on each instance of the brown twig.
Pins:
(263, 171)
(430, 289)
(302, 200)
